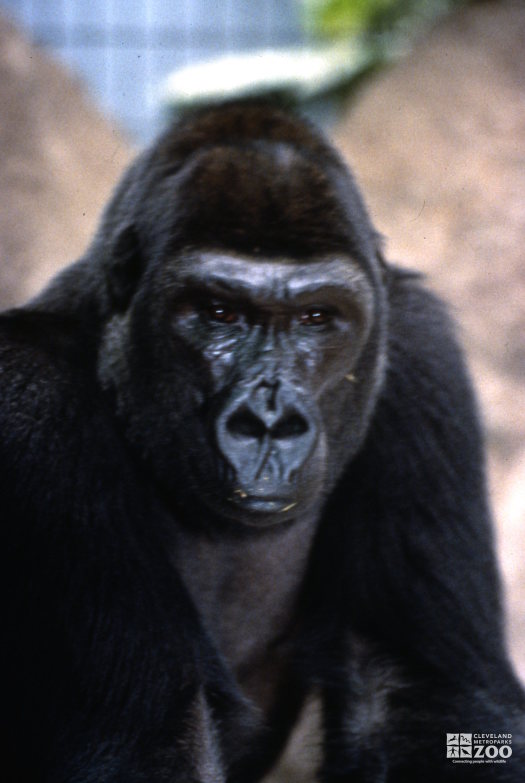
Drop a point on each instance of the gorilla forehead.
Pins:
(263, 196)
(241, 177)
(268, 282)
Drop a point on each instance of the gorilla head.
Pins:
(250, 305)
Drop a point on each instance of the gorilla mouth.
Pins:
(253, 508)
(262, 503)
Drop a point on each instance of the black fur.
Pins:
(111, 671)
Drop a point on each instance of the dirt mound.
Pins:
(59, 160)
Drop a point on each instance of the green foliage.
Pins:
(337, 18)
(334, 19)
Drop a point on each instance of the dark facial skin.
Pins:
(277, 343)
(277, 337)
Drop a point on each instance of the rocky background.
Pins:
(438, 145)
(59, 160)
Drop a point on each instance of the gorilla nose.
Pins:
(266, 437)
(245, 423)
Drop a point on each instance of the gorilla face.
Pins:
(264, 358)
(278, 339)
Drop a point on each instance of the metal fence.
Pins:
(123, 49)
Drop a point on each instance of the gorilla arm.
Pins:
(419, 623)
(91, 643)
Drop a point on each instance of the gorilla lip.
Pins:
(262, 503)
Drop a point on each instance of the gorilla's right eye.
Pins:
(315, 316)
(222, 314)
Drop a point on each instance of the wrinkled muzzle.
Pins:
(266, 433)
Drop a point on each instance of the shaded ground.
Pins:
(59, 159)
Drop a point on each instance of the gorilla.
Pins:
(241, 470)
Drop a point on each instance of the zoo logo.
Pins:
(479, 748)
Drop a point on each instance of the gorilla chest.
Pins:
(246, 591)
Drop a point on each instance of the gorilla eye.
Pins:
(222, 314)
(315, 316)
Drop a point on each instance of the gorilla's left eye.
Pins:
(315, 316)
(222, 314)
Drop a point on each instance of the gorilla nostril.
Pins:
(291, 426)
(245, 424)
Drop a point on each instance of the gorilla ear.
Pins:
(126, 265)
